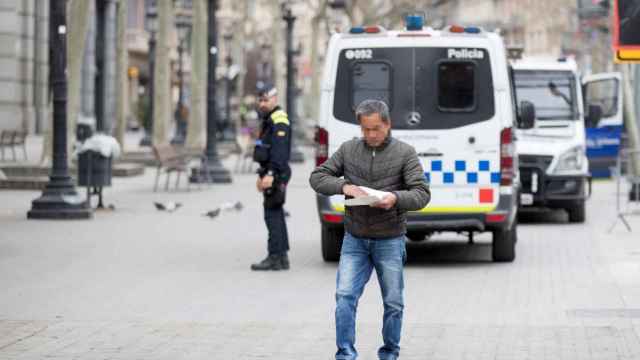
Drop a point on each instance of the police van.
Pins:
(554, 170)
(450, 96)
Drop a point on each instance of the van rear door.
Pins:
(443, 103)
(603, 136)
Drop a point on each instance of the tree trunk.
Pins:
(122, 64)
(316, 68)
(78, 15)
(278, 49)
(199, 56)
(162, 75)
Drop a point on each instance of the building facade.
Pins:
(24, 53)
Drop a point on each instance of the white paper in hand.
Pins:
(373, 197)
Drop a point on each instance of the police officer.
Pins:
(272, 153)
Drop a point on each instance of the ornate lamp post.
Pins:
(289, 18)
(211, 169)
(59, 200)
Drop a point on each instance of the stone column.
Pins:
(41, 65)
(198, 113)
(106, 60)
(122, 64)
(278, 62)
(162, 74)
(25, 56)
(88, 85)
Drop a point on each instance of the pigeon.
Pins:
(237, 206)
(168, 206)
(227, 206)
(213, 213)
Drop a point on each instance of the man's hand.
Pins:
(387, 202)
(259, 184)
(353, 191)
(266, 182)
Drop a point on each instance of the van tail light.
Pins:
(322, 145)
(507, 152)
(496, 217)
(333, 218)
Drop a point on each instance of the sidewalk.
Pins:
(141, 284)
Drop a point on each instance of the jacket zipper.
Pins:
(373, 156)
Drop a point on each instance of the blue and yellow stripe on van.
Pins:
(440, 209)
(479, 172)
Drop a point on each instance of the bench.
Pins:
(244, 146)
(169, 159)
(11, 139)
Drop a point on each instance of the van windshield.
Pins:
(552, 92)
(425, 87)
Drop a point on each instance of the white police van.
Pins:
(450, 96)
(554, 170)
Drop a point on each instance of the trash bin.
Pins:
(95, 160)
(94, 169)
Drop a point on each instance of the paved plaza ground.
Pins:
(136, 283)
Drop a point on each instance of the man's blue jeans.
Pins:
(358, 258)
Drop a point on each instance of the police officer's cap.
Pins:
(266, 90)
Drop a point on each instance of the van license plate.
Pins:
(526, 199)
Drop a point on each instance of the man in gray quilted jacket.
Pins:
(374, 235)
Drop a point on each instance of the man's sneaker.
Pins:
(271, 262)
(284, 261)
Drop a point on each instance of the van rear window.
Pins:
(456, 86)
(371, 80)
(425, 87)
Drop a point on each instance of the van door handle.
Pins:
(430, 154)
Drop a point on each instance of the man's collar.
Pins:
(384, 144)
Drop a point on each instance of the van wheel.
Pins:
(504, 244)
(331, 243)
(577, 213)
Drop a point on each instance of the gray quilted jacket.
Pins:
(393, 167)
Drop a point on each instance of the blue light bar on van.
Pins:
(357, 30)
(472, 30)
(414, 22)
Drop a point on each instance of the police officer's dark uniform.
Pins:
(272, 151)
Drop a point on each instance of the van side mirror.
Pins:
(527, 115)
(594, 115)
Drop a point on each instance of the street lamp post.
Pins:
(59, 200)
(152, 20)
(182, 27)
(289, 18)
(229, 61)
(211, 169)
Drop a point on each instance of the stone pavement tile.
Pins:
(189, 340)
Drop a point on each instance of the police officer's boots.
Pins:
(271, 262)
(284, 261)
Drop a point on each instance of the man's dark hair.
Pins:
(369, 107)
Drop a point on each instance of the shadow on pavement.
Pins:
(432, 253)
(543, 217)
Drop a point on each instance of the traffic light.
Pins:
(627, 30)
